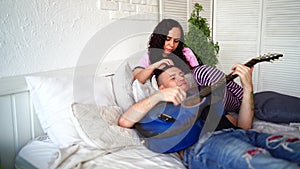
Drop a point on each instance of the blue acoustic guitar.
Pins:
(168, 128)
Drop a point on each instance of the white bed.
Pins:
(79, 113)
(67, 141)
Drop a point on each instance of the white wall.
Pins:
(39, 36)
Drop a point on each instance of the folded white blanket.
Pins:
(274, 128)
(131, 157)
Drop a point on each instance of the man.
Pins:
(229, 148)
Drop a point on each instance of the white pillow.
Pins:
(122, 83)
(141, 91)
(52, 98)
(98, 126)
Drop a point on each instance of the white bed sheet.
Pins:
(43, 154)
(37, 153)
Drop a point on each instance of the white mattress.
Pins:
(40, 152)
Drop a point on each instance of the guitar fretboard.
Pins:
(267, 57)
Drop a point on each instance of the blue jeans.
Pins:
(243, 149)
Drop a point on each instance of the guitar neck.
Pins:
(207, 90)
(230, 77)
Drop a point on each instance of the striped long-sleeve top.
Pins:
(207, 75)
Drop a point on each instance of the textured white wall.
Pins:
(39, 36)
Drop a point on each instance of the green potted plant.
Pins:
(199, 38)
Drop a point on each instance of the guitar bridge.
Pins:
(166, 118)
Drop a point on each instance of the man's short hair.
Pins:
(158, 72)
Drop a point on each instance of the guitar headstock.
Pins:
(270, 57)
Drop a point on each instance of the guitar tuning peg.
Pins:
(272, 61)
(280, 58)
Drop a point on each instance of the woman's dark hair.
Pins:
(157, 41)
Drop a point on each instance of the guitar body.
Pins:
(165, 135)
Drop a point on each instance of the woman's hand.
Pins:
(245, 74)
(144, 74)
(161, 63)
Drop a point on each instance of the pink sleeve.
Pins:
(190, 57)
(144, 62)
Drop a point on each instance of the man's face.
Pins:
(173, 77)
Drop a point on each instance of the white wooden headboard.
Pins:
(18, 122)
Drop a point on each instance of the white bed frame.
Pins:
(18, 122)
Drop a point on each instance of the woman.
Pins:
(166, 46)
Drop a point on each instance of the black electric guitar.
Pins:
(168, 128)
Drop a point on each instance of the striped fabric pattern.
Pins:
(207, 75)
